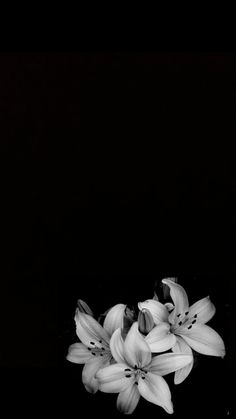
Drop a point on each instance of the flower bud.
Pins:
(145, 321)
(84, 308)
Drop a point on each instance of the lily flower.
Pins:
(188, 326)
(94, 350)
(137, 373)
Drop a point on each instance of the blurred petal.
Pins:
(117, 346)
(204, 339)
(136, 350)
(179, 297)
(114, 318)
(78, 353)
(160, 339)
(88, 374)
(128, 400)
(158, 310)
(167, 363)
(155, 390)
(89, 330)
(112, 379)
(182, 346)
(204, 309)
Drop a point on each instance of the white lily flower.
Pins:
(94, 350)
(137, 373)
(187, 324)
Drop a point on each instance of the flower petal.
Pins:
(128, 400)
(183, 347)
(160, 339)
(78, 353)
(88, 374)
(112, 379)
(167, 363)
(158, 310)
(204, 339)
(117, 346)
(179, 297)
(155, 390)
(204, 309)
(114, 318)
(89, 330)
(136, 350)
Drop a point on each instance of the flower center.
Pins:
(137, 372)
(182, 319)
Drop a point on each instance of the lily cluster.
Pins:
(124, 354)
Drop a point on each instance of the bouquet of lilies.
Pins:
(130, 352)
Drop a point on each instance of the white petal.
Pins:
(114, 318)
(160, 339)
(136, 350)
(117, 346)
(204, 339)
(158, 310)
(89, 330)
(183, 347)
(179, 297)
(88, 374)
(112, 379)
(204, 309)
(167, 363)
(155, 390)
(78, 353)
(128, 400)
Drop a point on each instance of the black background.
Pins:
(117, 170)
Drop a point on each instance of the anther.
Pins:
(189, 327)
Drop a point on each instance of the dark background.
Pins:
(117, 170)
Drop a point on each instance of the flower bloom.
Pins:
(188, 326)
(94, 350)
(137, 373)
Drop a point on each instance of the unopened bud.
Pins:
(166, 289)
(145, 321)
(84, 308)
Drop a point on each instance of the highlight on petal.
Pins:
(203, 339)
(89, 330)
(88, 374)
(136, 350)
(114, 318)
(112, 379)
(183, 347)
(78, 353)
(128, 400)
(158, 310)
(160, 339)
(179, 297)
(167, 363)
(117, 346)
(155, 390)
(204, 309)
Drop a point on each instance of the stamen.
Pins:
(189, 327)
